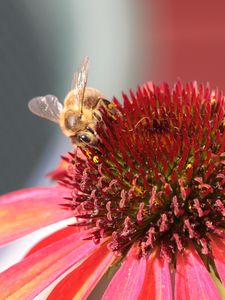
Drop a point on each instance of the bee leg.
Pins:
(110, 107)
(106, 102)
(102, 102)
(97, 115)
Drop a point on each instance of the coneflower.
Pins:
(148, 200)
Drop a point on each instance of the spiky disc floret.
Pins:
(158, 176)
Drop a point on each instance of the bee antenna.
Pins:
(82, 102)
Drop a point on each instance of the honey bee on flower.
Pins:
(79, 115)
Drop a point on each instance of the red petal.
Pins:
(192, 280)
(57, 174)
(218, 250)
(54, 237)
(83, 279)
(157, 282)
(27, 210)
(29, 277)
(60, 171)
(128, 280)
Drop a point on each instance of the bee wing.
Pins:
(80, 81)
(47, 107)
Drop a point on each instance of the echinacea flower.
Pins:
(149, 203)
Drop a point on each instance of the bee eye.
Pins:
(71, 121)
(84, 138)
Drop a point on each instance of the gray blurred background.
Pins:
(129, 42)
(41, 44)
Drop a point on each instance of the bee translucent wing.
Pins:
(47, 107)
(81, 75)
(80, 82)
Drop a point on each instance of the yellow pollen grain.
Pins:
(189, 166)
(96, 159)
(111, 106)
(139, 190)
(212, 100)
(88, 153)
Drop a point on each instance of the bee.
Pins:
(79, 115)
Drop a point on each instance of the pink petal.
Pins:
(27, 210)
(29, 277)
(80, 282)
(157, 282)
(128, 281)
(218, 250)
(192, 280)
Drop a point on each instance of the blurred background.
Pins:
(129, 42)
